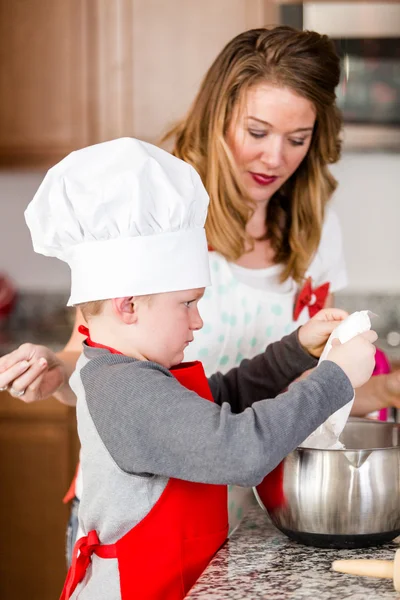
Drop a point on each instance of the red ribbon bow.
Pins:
(85, 546)
(313, 298)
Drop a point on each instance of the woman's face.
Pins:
(269, 138)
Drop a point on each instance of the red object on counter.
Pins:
(271, 491)
(382, 367)
(8, 296)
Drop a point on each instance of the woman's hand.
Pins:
(391, 386)
(32, 373)
(381, 391)
(315, 333)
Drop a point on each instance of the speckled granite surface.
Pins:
(260, 562)
(38, 318)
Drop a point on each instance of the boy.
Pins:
(159, 441)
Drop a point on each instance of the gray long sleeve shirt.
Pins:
(151, 424)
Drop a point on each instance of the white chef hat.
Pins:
(127, 217)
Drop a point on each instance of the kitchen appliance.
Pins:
(348, 498)
(367, 38)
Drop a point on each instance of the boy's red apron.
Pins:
(162, 556)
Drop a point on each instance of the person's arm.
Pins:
(162, 428)
(264, 376)
(151, 424)
(381, 391)
(281, 363)
(39, 372)
(68, 357)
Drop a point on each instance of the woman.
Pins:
(261, 133)
(269, 101)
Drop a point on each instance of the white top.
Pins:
(246, 309)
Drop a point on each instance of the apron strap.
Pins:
(83, 550)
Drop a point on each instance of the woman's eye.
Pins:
(257, 134)
(188, 303)
(297, 142)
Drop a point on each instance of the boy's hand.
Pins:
(315, 333)
(356, 357)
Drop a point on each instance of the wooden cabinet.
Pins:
(79, 72)
(38, 455)
(43, 103)
(174, 44)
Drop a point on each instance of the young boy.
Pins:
(159, 441)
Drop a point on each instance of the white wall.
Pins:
(28, 269)
(367, 201)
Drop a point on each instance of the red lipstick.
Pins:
(263, 179)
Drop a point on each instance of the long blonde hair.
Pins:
(307, 63)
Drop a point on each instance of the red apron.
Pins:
(163, 555)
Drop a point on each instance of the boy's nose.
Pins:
(197, 322)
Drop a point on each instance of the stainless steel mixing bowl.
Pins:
(347, 498)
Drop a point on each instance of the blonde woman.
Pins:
(261, 132)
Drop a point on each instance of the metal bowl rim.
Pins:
(357, 420)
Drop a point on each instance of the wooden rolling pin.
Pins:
(383, 569)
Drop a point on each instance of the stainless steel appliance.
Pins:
(346, 498)
(367, 37)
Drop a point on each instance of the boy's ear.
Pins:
(125, 309)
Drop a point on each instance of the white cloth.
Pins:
(127, 217)
(327, 435)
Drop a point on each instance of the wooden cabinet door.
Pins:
(174, 44)
(79, 72)
(43, 80)
(38, 447)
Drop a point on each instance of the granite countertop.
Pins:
(38, 318)
(258, 561)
